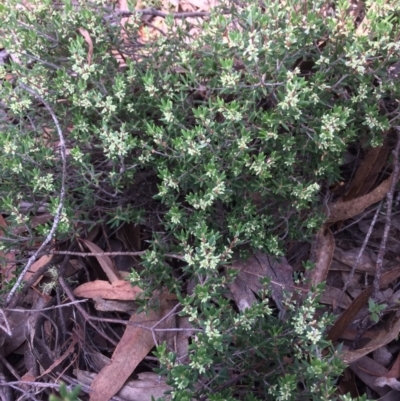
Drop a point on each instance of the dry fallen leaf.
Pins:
(108, 305)
(88, 40)
(321, 255)
(381, 338)
(35, 267)
(67, 353)
(368, 172)
(367, 370)
(147, 385)
(331, 295)
(395, 369)
(347, 260)
(104, 261)
(120, 290)
(255, 268)
(348, 315)
(383, 356)
(345, 210)
(134, 345)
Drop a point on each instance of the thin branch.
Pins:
(363, 215)
(388, 219)
(6, 326)
(46, 309)
(360, 253)
(171, 312)
(10, 367)
(382, 247)
(89, 254)
(57, 216)
(156, 13)
(90, 319)
(83, 312)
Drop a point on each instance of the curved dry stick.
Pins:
(57, 216)
(345, 210)
(388, 219)
(360, 253)
(156, 13)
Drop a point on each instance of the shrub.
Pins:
(230, 138)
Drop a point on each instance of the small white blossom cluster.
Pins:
(305, 325)
(116, 143)
(9, 147)
(168, 181)
(273, 245)
(175, 215)
(82, 100)
(19, 105)
(292, 97)
(203, 200)
(152, 257)
(358, 62)
(301, 320)
(261, 165)
(332, 124)
(229, 79)
(211, 330)
(119, 88)
(45, 182)
(149, 86)
(108, 107)
(284, 390)
(230, 114)
(206, 256)
(247, 322)
(251, 52)
(77, 155)
(372, 122)
(19, 217)
(363, 92)
(306, 193)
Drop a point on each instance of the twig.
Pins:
(382, 247)
(57, 216)
(6, 328)
(90, 318)
(360, 253)
(85, 315)
(14, 384)
(388, 221)
(46, 309)
(156, 13)
(89, 254)
(171, 312)
(175, 329)
(163, 319)
(85, 388)
(10, 367)
(363, 215)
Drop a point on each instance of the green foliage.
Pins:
(66, 395)
(241, 126)
(375, 310)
